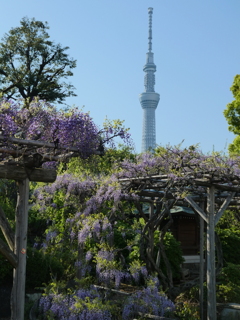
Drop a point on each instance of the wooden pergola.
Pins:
(22, 162)
(209, 197)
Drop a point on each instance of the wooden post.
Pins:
(201, 266)
(20, 249)
(211, 274)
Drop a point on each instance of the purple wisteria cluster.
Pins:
(107, 271)
(182, 165)
(83, 305)
(147, 301)
(41, 121)
(94, 228)
(75, 191)
(88, 304)
(83, 267)
(109, 190)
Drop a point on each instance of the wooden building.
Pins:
(185, 229)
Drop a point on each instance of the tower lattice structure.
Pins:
(149, 98)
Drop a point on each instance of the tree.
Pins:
(31, 65)
(232, 114)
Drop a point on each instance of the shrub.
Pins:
(6, 271)
(187, 304)
(228, 288)
(173, 253)
(40, 268)
(230, 240)
(188, 311)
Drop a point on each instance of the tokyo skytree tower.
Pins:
(149, 99)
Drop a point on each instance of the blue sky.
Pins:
(196, 49)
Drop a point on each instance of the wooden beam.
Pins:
(211, 274)
(37, 143)
(45, 157)
(224, 207)
(219, 186)
(17, 172)
(196, 208)
(41, 144)
(155, 194)
(163, 177)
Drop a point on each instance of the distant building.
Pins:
(149, 99)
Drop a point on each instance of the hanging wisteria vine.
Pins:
(65, 129)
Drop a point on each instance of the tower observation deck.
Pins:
(149, 99)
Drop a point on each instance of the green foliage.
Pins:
(57, 286)
(159, 150)
(228, 287)
(8, 198)
(92, 305)
(187, 311)
(230, 273)
(99, 165)
(228, 282)
(53, 221)
(230, 241)
(187, 304)
(227, 290)
(6, 270)
(172, 249)
(41, 268)
(37, 225)
(229, 220)
(232, 115)
(228, 293)
(31, 65)
(228, 230)
(174, 254)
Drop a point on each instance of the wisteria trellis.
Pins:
(174, 176)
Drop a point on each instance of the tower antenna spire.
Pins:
(150, 12)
